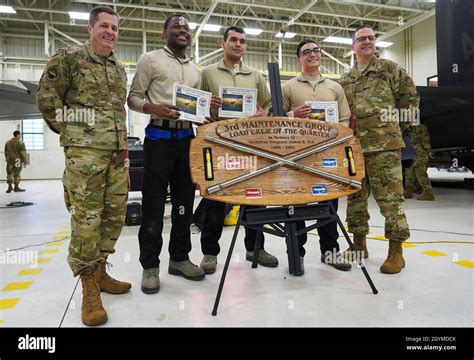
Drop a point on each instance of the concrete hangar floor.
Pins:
(434, 290)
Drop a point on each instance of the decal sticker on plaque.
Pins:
(253, 193)
(330, 162)
(319, 190)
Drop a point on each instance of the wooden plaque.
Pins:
(226, 155)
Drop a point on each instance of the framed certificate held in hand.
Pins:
(324, 111)
(237, 102)
(193, 104)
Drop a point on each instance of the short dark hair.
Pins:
(303, 43)
(16, 132)
(168, 19)
(233, 28)
(363, 26)
(94, 14)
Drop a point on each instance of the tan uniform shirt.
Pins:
(298, 90)
(244, 76)
(157, 72)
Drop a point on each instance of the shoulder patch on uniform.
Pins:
(52, 62)
(408, 81)
(52, 73)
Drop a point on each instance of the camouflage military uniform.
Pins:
(382, 84)
(14, 150)
(416, 173)
(81, 96)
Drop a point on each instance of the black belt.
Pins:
(171, 124)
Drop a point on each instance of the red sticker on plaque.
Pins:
(253, 193)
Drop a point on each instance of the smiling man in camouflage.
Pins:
(81, 95)
(372, 87)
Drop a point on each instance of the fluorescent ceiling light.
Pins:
(211, 27)
(78, 15)
(348, 41)
(207, 27)
(339, 40)
(383, 44)
(288, 35)
(7, 9)
(253, 31)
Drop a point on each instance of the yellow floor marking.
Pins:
(59, 237)
(434, 253)
(57, 243)
(27, 272)
(8, 303)
(408, 245)
(66, 232)
(49, 251)
(466, 263)
(1, 322)
(40, 261)
(379, 238)
(17, 286)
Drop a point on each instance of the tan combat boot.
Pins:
(417, 189)
(18, 189)
(108, 283)
(408, 193)
(394, 262)
(361, 249)
(93, 313)
(10, 188)
(426, 195)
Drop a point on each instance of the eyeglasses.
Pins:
(307, 52)
(362, 39)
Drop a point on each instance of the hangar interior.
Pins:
(434, 290)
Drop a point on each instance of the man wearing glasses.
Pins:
(311, 86)
(374, 87)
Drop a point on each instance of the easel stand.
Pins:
(282, 222)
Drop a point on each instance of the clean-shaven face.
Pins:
(177, 33)
(364, 42)
(310, 57)
(103, 35)
(235, 45)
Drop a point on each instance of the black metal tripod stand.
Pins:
(282, 222)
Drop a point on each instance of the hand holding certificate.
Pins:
(193, 104)
(324, 111)
(237, 102)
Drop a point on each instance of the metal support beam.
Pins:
(280, 56)
(377, 4)
(209, 59)
(208, 55)
(65, 35)
(46, 40)
(335, 59)
(204, 21)
(301, 12)
(409, 23)
(196, 51)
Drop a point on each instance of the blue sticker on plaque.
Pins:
(319, 190)
(330, 162)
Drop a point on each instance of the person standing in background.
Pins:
(16, 158)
